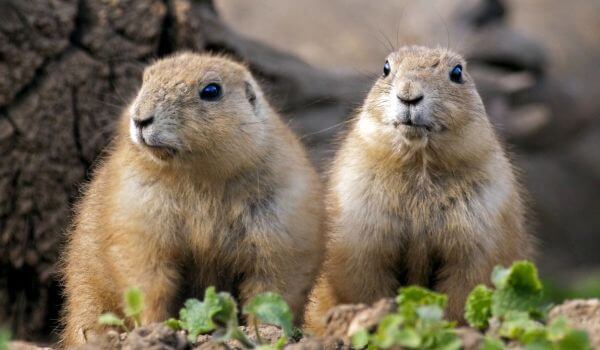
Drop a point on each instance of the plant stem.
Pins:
(243, 339)
(258, 338)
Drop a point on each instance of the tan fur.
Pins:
(436, 208)
(227, 198)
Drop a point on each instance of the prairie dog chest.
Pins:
(394, 207)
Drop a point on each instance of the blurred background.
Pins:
(68, 67)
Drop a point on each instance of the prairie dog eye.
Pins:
(386, 69)
(211, 92)
(456, 74)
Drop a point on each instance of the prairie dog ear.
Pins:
(250, 94)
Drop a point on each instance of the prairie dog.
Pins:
(204, 185)
(420, 191)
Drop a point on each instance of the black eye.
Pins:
(211, 92)
(456, 74)
(386, 69)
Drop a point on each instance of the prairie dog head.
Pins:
(424, 96)
(199, 106)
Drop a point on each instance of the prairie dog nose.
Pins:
(411, 101)
(144, 122)
(410, 92)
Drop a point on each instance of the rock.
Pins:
(338, 319)
(581, 314)
(370, 318)
(471, 339)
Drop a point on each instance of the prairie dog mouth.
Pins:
(160, 151)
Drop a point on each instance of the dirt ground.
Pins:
(342, 322)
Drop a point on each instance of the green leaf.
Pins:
(522, 275)
(411, 298)
(517, 289)
(517, 324)
(539, 345)
(110, 319)
(173, 323)
(360, 339)
(478, 309)
(270, 308)
(557, 329)
(4, 339)
(217, 310)
(430, 313)
(574, 340)
(408, 338)
(447, 340)
(134, 303)
(490, 343)
(387, 331)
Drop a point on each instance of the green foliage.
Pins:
(518, 288)
(270, 308)
(4, 339)
(218, 313)
(173, 323)
(417, 324)
(133, 305)
(490, 343)
(110, 319)
(479, 307)
(516, 305)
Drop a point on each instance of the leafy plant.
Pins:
(217, 313)
(134, 305)
(4, 339)
(417, 324)
(133, 302)
(513, 311)
(478, 307)
(517, 310)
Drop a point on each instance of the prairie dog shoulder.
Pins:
(204, 185)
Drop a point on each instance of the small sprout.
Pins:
(479, 307)
(218, 313)
(201, 317)
(110, 319)
(490, 343)
(270, 308)
(173, 323)
(134, 304)
(4, 339)
(360, 339)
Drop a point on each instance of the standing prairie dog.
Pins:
(204, 185)
(420, 192)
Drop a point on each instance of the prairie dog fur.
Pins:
(420, 192)
(204, 185)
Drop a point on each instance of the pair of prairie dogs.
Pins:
(205, 185)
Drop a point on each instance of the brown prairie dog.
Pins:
(204, 185)
(420, 192)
